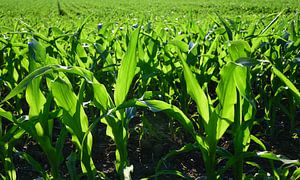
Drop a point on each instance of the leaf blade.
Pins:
(127, 70)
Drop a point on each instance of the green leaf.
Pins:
(118, 133)
(272, 156)
(242, 81)
(171, 110)
(226, 91)
(258, 141)
(296, 174)
(185, 149)
(26, 81)
(271, 23)
(75, 120)
(34, 128)
(127, 70)
(10, 168)
(184, 47)
(76, 123)
(214, 45)
(7, 115)
(35, 164)
(37, 55)
(196, 92)
(288, 83)
(226, 25)
(35, 97)
(71, 165)
(239, 49)
(101, 99)
(59, 145)
(99, 48)
(45, 70)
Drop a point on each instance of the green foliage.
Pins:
(216, 78)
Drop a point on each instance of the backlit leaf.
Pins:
(127, 70)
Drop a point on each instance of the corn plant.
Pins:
(71, 115)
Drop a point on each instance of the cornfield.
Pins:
(149, 90)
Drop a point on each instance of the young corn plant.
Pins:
(114, 113)
(69, 110)
(216, 119)
(117, 123)
(71, 114)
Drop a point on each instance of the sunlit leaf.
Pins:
(127, 70)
